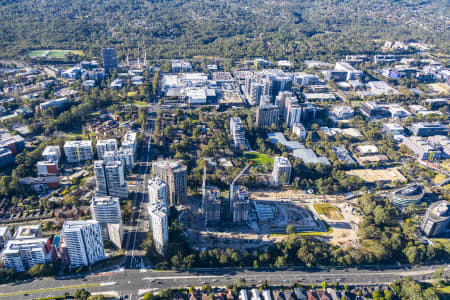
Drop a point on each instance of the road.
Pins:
(139, 226)
(132, 282)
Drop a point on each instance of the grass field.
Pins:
(439, 177)
(328, 210)
(53, 53)
(259, 158)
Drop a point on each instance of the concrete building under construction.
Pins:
(239, 204)
(211, 205)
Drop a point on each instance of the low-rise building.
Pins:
(6, 157)
(59, 103)
(441, 142)
(342, 112)
(372, 110)
(343, 155)
(51, 153)
(422, 149)
(299, 130)
(437, 219)
(5, 235)
(428, 129)
(404, 196)
(47, 168)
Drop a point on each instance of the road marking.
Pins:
(107, 283)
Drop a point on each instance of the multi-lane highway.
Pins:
(133, 282)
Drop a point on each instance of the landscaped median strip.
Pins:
(52, 289)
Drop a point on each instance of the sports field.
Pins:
(53, 53)
(328, 210)
(259, 158)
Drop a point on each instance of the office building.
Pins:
(181, 66)
(342, 112)
(280, 101)
(130, 142)
(238, 134)
(393, 129)
(78, 151)
(281, 172)
(293, 112)
(174, 173)
(158, 219)
(372, 110)
(5, 235)
(109, 57)
(441, 142)
(343, 155)
(299, 130)
(47, 168)
(437, 219)
(21, 255)
(404, 196)
(110, 179)
(157, 191)
(105, 145)
(125, 156)
(106, 211)
(51, 153)
(428, 129)
(58, 103)
(6, 157)
(15, 143)
(422, 149)
(84, 243)
(267, 115)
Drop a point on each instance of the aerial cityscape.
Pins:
(244, 149)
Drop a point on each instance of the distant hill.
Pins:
(226, 28)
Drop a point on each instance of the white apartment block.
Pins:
(157, 191)
(106, 211)
(125, 156)
(105, 145)
(84, 242)
(21, 255)
(130, 142)
(281, 172)
(78, 151)
(159, 225)
(51, 153)
(110, 179)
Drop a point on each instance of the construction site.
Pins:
(246, 220)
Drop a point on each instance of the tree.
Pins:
(324, 285)
(82, 294)
(387, 295)
(148, 296)
(290, 229)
